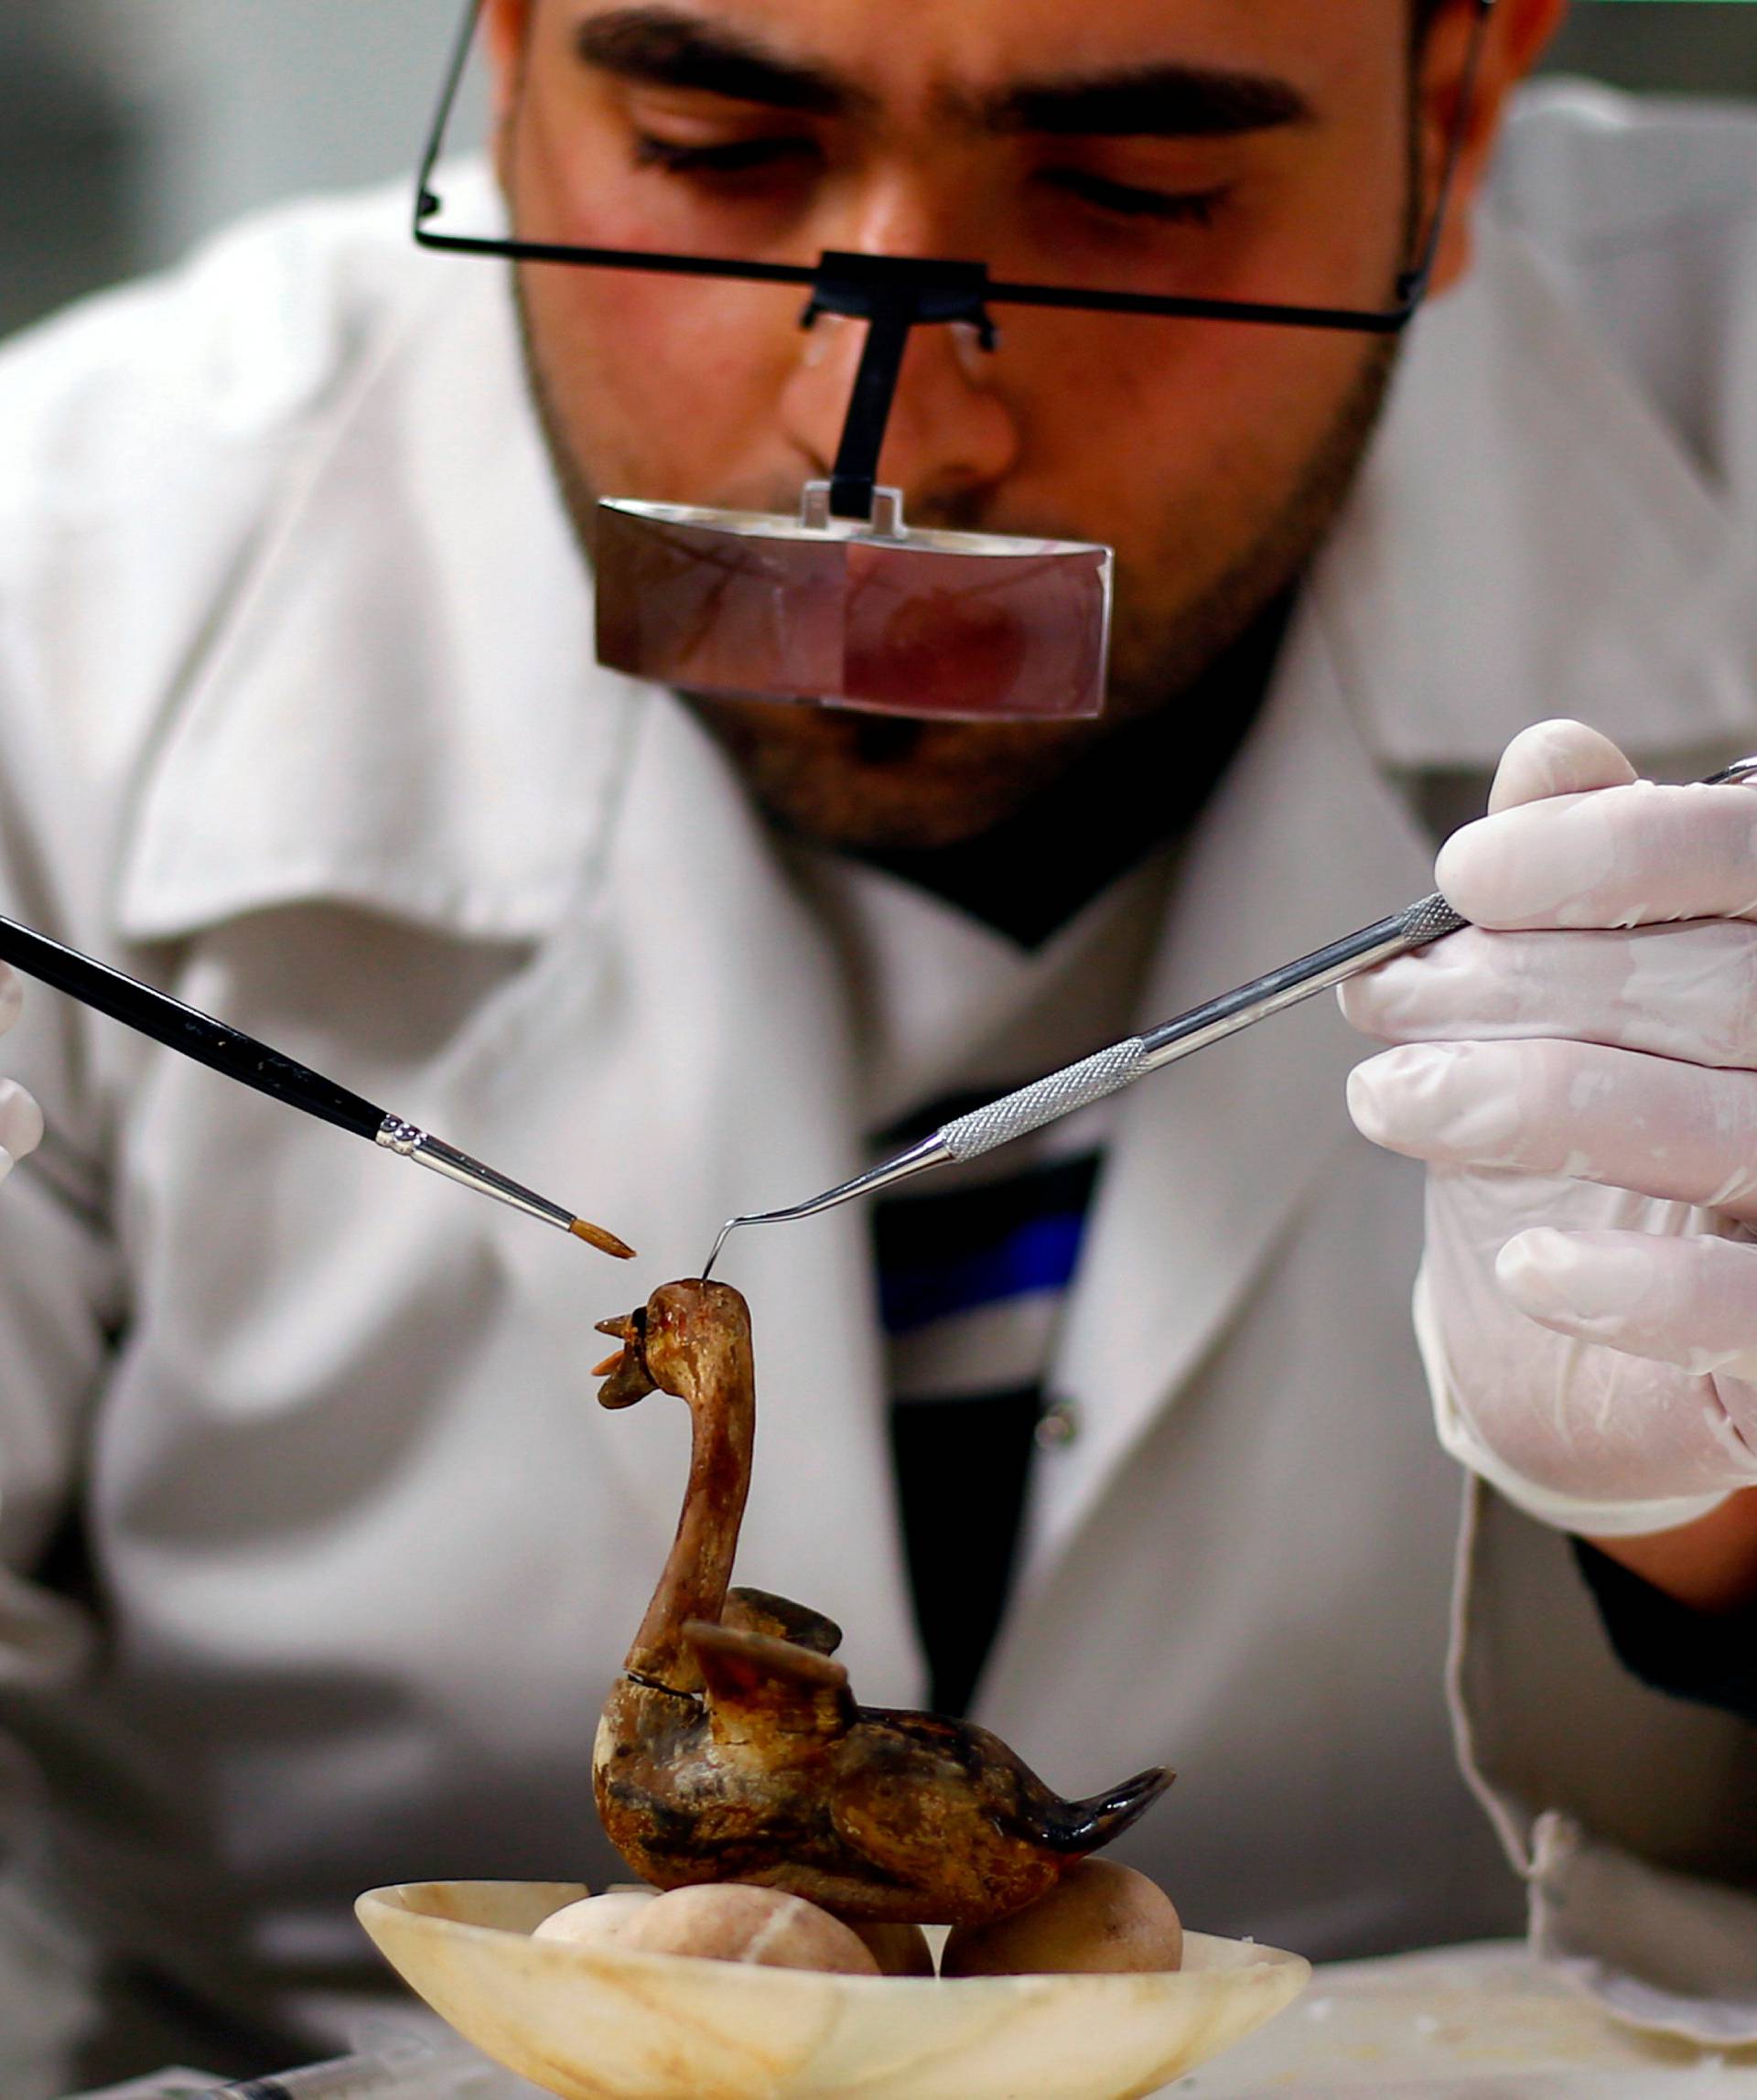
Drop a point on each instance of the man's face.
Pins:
(1253, 152)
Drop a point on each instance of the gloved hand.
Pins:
(21, 1121)
(1580, 1072)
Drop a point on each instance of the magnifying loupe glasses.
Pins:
(846, 604)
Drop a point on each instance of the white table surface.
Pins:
(1460, 2023)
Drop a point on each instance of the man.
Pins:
(321, 1556)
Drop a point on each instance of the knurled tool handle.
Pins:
(1095, 1078)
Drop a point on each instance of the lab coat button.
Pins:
(1058, 1426)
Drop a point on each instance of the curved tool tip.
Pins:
(720, 1240)
(606, 1243)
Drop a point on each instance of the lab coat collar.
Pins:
(1529, 539)
(1209, 1162)
(682, 1049)
(401, 710)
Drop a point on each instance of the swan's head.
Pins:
(688, 1338)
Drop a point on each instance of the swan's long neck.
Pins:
(720, 1388)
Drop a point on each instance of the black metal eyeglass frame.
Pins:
(894, 294)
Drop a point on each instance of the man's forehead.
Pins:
(963, 48)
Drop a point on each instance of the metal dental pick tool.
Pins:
(1109, 1071)
(241, 1057)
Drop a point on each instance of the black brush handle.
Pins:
(179, 1027)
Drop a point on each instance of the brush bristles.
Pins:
(606, 1243)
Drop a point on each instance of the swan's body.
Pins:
(731, 1748)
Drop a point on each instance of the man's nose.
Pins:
(953, 431)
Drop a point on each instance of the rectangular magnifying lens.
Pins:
(851, 613)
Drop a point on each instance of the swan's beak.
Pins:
(625, 1374)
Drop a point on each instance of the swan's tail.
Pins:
(1082, 1827)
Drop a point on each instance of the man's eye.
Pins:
(734, 156)
(1127, 201)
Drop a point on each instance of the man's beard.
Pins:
(888, 784)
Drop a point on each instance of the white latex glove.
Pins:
(21, 1121)
(1580, 1074)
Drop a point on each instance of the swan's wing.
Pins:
(760, 1612)
(769, 1699)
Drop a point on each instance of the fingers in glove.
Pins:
(1691, 1302)
(1559, 758)
(1575, 1419)
(1686, 992)
(1676, 1132)
(21, 1125)
(1632, 855)
(1555, 850)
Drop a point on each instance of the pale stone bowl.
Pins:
(601, 2023)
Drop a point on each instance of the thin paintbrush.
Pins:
(241, 1057)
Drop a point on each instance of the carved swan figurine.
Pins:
(731, 1748)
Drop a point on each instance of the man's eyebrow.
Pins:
(1150, 101)
(669, 47)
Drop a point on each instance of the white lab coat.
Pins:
(297, 715)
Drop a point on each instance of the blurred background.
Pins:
(129, 127)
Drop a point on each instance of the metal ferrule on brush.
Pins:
(413, 1142)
